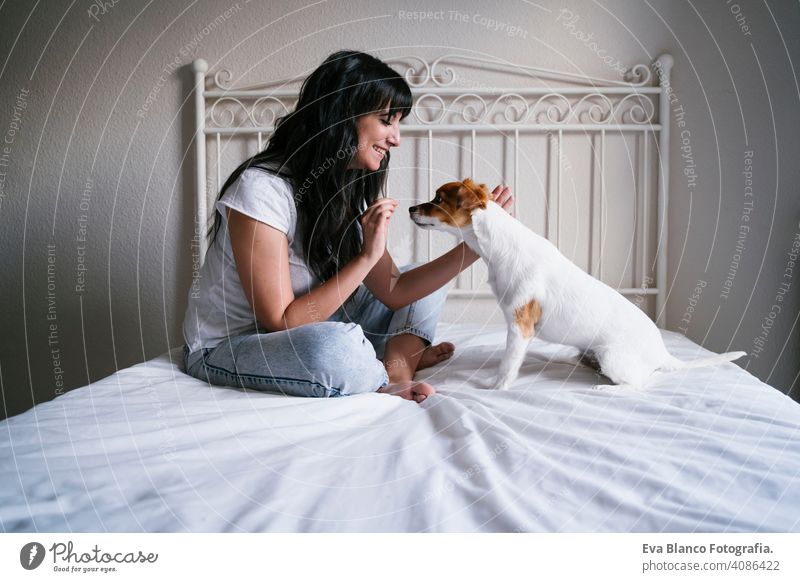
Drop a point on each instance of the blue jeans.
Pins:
(337, 357)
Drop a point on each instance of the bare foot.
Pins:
(409, 389)
(435, 354)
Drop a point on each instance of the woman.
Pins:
(298, 293)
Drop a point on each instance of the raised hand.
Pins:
(375, 226)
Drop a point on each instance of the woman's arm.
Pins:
(396, 290)
(262, 262)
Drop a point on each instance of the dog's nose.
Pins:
(413, 209)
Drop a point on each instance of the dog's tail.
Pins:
(673, 364)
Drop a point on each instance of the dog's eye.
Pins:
(437, 199)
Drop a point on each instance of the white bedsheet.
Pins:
(152, 449)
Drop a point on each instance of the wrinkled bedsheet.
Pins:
(152, 449)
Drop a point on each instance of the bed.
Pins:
(152, 449)
(708, 450)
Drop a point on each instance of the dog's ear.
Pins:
(473, 195)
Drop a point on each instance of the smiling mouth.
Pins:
(381, 151)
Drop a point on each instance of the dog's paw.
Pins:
(500, 384)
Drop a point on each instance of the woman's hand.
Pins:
(375, 226)
(503, 196)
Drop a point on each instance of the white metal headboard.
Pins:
(550, 103)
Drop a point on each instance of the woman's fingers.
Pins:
(378, 220)
(381, 219)
(381, 203)
(382, 214)
(377, 207)
(502, 195)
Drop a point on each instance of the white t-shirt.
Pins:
(218, 307)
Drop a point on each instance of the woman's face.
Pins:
(377, 132)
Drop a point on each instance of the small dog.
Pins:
(540, 290)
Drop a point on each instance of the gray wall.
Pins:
(79, 163)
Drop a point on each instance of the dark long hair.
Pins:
(313, 145)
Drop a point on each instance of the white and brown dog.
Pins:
(540, 290)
